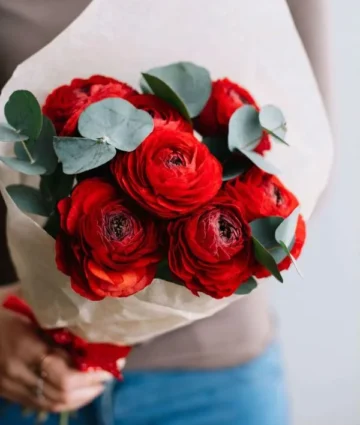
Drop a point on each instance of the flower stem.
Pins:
(64, 418)
(28, 153)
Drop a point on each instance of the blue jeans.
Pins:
(250, 394)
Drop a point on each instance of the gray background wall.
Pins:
(319, 317)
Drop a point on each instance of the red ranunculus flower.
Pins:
(226, 97)
(211, 250)
(106, 248)
(164, 115)
(170, 174)
(66, 103)
(264, 195)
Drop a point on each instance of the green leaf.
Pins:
(23, 112)
(287, 252)
(184, 85)
(8, 134)
(28, 199)
(273, 122)
(163, 91)
(260, 162)
(116, 122)
(56, 186)
(246, 287)
(285, 232)
(218, 146)
(234, 168)
(42, 149)
(265, 259)
(78, 155)
(245, 131)
(52, 226)
(19, 151)
(23, 166)
(163, 272)
(263, 229)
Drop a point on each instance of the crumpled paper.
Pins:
(252, 43)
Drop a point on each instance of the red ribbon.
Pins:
(85, 355)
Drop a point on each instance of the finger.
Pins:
(26, 397)
(30, 348)
(59, 374)
(78, 399)
(30, 380)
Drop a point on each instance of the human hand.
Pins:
(37, 376)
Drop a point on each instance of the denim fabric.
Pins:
(250, 394)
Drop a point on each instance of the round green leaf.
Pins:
(28, 199)
(23, 166)
(245, 131)
(41, 149)
(263, 229)
(285, 232)
(78, 155)
(56, 186)
(23, 112)
(163, 91)
(116, 122)
(260, 162)
(264, 257)
(273, 122)
(8, 134)
(233, 168)
(185, 85)
(246, 287)
(218, 146)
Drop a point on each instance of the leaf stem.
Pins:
(64, 418)
(28, 153)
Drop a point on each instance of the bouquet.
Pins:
(159, 207)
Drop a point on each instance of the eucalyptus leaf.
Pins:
(234, 168)
(23, 166)
(260, 162)
(42, 149)
(23, 112)
(265, 259)
(165, 92)
(288, 254)
(218, 146)
(56, 186)
(245, 131)
(8, 134)
(116, 122)
(183, 84)
(20, 152)
(285, 232)
(263, 229)
(78, 154)
(163, 272)
(28, 199)
(52, 225)
(273, 122)
(246, 287)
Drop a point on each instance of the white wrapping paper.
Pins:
(253, 43)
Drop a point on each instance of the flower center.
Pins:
(117, 226)
(227, 231)
(175, 159)
(278, 196)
